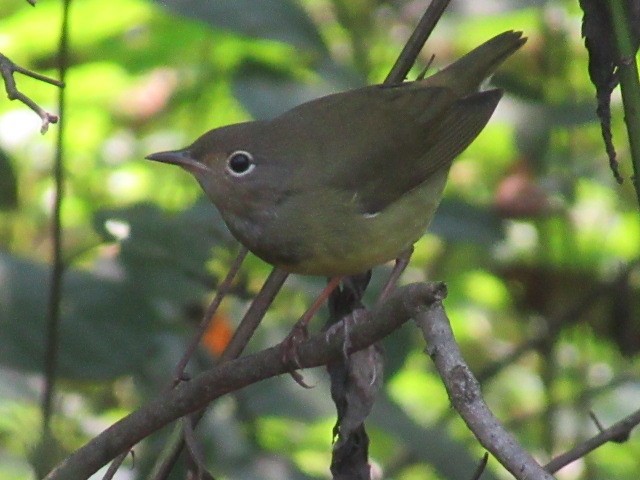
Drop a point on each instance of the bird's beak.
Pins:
(182, 158)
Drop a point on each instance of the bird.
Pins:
(348, 181)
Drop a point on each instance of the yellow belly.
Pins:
(338, 241)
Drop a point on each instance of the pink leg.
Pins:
(299, 331)
(401, 264)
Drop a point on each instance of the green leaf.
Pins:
(164, 254)
(459, 221)
(8, 184)
(105, 329)
(266, 92)
(282, 20)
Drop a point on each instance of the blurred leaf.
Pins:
(105, 329)
(164, 254)
(282, 20)
(266, 92)
(8, 184)
(14, 467)
(432, 445)
(457, 221)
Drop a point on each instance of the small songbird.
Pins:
(340, 184)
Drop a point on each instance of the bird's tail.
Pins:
(467, 74)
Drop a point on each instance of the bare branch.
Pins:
(417, 40)
(207, 318)
(618, 432)
(233, 375)
(243, 333)
(464, 393)
(7, 69)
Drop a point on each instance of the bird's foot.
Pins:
(289, 346)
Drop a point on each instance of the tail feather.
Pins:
(467, 74)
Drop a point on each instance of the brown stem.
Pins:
(618, 432)
(178, 373)
(221, 292)
(417, 40)
(52, 334)
(238, 342)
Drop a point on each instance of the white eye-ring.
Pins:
(240, 163)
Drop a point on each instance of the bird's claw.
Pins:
(298, 334)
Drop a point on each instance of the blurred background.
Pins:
(536, 241)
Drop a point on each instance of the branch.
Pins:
(238, 342)
(618, 432)
(55, 294)
(179, 374)
(7, 69)
(207, 318)
(417, 40)
(230, 376)
(464, 393)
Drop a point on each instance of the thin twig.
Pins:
(617, 432)
(178, 374)
(596, 421)
(481, 466)
(254, 315)
(233, 375)
(242, 335)
(52, 335)
(8, 68)
(193, 450)
(417, 40)
(221, 292)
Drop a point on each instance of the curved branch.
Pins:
(464, 393)
(234, 375)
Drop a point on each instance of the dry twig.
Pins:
(618, 432)
(7, 69)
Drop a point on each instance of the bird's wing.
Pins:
(375, 144)
(437, 127)
(444, 138)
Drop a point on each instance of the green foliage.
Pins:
(532, 222)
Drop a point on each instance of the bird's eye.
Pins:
(240, 163)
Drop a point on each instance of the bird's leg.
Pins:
(401, 264)
(299, 331)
